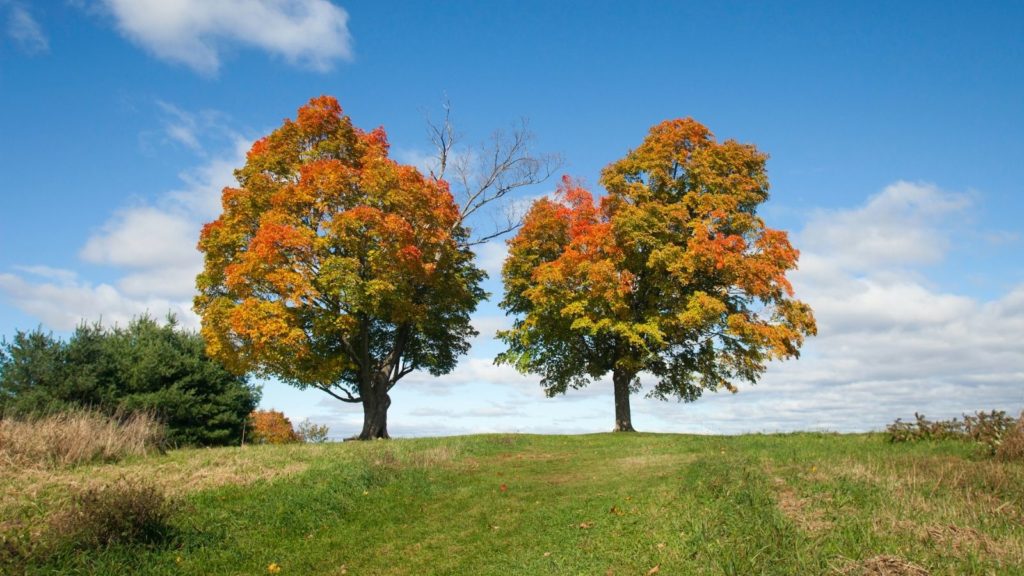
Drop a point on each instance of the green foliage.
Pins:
(334, 267)
(142, 367)
(985, 428)
(672, 274)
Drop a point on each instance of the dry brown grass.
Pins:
(70, 438)
(883, 565)
(1012, 445)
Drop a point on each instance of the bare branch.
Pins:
(488, 175)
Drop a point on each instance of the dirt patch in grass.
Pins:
(799, 511)
(883, 565)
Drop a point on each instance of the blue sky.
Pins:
(894, 129)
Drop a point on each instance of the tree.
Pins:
(334, 267)
(672, 273)
(144, 366)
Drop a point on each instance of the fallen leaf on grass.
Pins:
(654, 570)
(503, 488)
(586, 525)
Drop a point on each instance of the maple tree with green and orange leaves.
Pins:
(672, 273)
(334, 267)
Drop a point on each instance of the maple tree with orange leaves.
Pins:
(672, 273)
(334, 267)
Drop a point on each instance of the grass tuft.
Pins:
(76, 437)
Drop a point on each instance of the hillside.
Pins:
(601, 504)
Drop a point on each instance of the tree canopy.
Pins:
(334, 267)
(672, 273)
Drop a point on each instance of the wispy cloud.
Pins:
(26, 33)
(151, 247)
(308, 33)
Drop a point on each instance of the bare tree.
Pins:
(488, 174)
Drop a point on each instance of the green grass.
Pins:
(618, 504)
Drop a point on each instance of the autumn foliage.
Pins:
(672, 273)
(334, 267)
(271, 427)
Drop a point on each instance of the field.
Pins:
(623, 504)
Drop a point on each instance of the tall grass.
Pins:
(70, 438)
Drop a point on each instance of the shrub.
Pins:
(1012, 446)
(145, 366)
(986, 428)
(78, 436)
(312, 433)
(125, 512)
(271, 427)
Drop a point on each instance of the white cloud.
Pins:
(308, 33)
(180, 126)
(487, 326)
(145, 237)
(155, 244)
(151, 247)
(25, 31)
(490, 256)
(890, 343)
(902, 225)
(62, 305)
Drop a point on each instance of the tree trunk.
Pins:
(623, 417)
(375, 410)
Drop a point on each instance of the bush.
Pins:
(1012, 446)
(145, 366)
(986, 428)
(311, 433)
(78, 436)
(271, 427)
(126, 512)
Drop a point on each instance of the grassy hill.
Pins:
(625, 504)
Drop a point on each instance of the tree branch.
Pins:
(489, 173)
(348, 395)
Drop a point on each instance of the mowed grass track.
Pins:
(621, 504)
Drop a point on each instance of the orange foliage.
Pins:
(334, 267)
(271, 427)
(672, 272)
